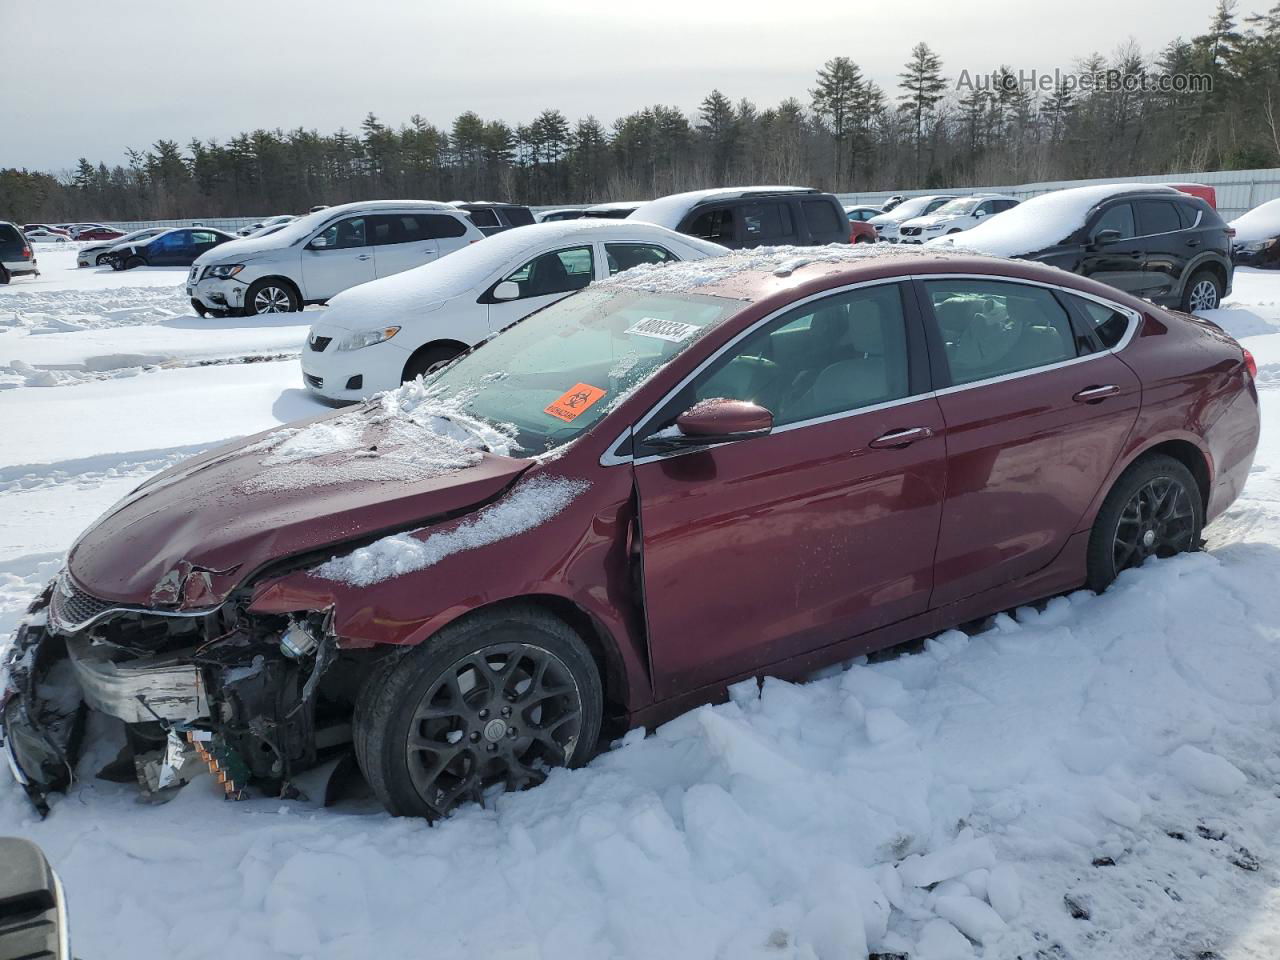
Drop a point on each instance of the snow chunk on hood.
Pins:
(531, 503)
(1043, 221)
(1260, 223)
(689, 275)
(407, 434)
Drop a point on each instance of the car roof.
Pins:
(784, 274)
(476, 204)
(668, 211)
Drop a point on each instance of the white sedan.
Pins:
(379, 334)
(45, 235)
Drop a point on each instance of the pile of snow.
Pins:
(36, 310)
(1260, 223)
(529, 504)
(408, 434)
(670, 210)
(1043, 221)
(689, 276)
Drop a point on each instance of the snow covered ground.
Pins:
(1096, 778)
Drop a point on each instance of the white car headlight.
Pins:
(934, 226)
(224, 271)
(1257, 246)
(366, 338)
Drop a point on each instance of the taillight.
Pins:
(1231, 232)
(1251, 365)
(26, 253)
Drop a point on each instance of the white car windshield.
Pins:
(961, 206)
(558, 371)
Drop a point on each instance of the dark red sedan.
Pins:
(681, 477)
(100, 233)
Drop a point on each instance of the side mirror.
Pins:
(717, 420)
(319, 243)
(507, 290)
(1105, 236)
(979, 214)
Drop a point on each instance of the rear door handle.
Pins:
(901, 438)
(1193, 242)
(1094, 394)
(363, 256)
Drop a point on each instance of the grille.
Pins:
(72, 608)
(316, 382)
(319, 343)
(910, 231)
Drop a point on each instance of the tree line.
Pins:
(936, 127)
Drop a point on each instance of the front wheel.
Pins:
(133, 262)
(429, 359)
(1154, 510)
(1203, 292)
(102, 260)
(270, 296)
(491, 703)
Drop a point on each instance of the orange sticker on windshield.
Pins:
(574, 402)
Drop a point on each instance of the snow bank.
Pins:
(1206, 772)
(530, 503)
(1260, 223)
(1043, 221)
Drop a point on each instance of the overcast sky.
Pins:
(102, 76)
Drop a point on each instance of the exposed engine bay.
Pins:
(251, 697)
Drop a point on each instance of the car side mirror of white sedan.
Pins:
(507, 290)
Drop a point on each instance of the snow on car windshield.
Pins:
(402, 435)
(1043, 221)
(558, 371)
(959, 206)
(531, 503)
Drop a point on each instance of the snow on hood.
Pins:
(1043, 221)
(1260, 223)
(669, 211)
(531, 503)
(403, 435)
(688, 276)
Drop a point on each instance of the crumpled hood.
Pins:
(194, 533)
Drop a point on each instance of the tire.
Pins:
(1202, 292)
(101, 260)
(1155, 509)
(134, 262)
(4, 276)
(269, 295)
(482, 706)
(429, 359)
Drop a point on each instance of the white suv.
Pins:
(318, 256)
(954, 216)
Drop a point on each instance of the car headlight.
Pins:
(933, 226)
(1257, 247)
(224, 271)
(367, 338)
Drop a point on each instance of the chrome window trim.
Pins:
(611, 457)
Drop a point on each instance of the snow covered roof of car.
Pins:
(616, 205)
(669, 211)
(1044, 221)
(762, 262)
(406, 293)
(1260, 223)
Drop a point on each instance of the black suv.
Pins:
(491, 218)
(16, 258)
(1169, 247)
(752, 217)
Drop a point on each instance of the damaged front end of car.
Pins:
(241, 693)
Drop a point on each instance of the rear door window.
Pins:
(518, 216)
(562, 271)
(484, 217)
(824, 224)
(440, 226)
(624, 256)
(1157, 216)
(767, 223)
(398, 228)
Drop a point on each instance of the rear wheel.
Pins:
(489, 704)
(4, 276)
(1154, 510)
(270, 296)
(1203, 292)
(429, 359)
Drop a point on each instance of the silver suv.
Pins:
(318, 256)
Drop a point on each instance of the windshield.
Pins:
(960, 206)
(556, 373)
(911, 208)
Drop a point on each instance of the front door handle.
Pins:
(1095, 394)
(901, 438)
(363, 256)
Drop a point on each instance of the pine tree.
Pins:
(922, 86)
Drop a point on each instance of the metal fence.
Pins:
(1238, 191)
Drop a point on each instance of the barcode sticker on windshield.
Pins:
(672, 330)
